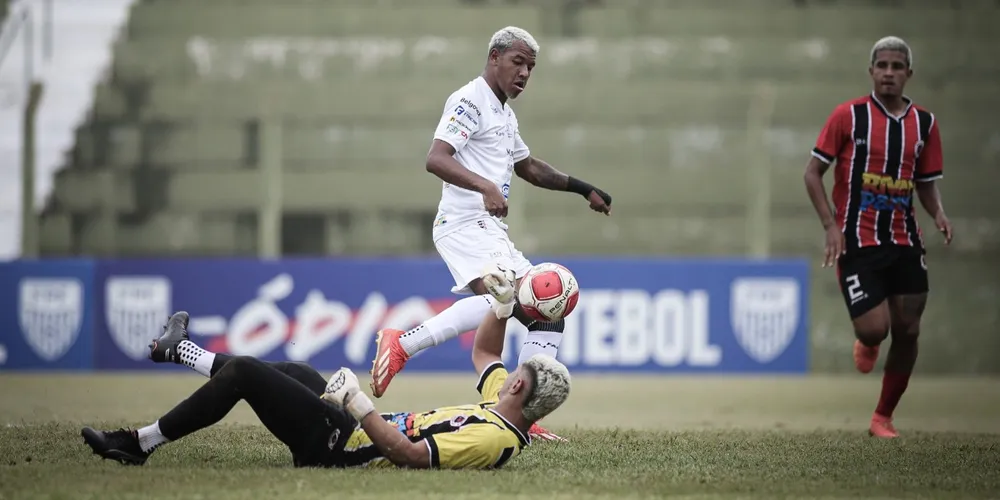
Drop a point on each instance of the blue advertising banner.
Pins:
(641, 315)
(46, 315)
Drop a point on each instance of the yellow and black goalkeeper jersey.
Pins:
(457, 437)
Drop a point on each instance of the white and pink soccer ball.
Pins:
(548, 293)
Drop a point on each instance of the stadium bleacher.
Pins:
(651, 101)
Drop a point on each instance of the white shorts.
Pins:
(469, 249)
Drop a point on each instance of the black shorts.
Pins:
(326, 439)
(869, 275)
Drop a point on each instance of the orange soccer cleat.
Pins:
(390, 358)
(881, 427)
(864, 357)
(538, 432)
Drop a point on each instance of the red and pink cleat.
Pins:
(538, 432)
(390, 358)
(864, 357)
(881, 427)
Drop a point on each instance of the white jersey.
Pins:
(486, 140)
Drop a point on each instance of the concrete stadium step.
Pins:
(165, 233)
(711, 186)
(191, 18)
(698, 147)
(321, 19)
(642, 228)
(633, 150)
(241, 190)
(545, 103)
(785, 4)
(827, 21)
(713, 4)
(709, 182)
(725, 57)
(230, 234)
(384, 4)
(177, 145)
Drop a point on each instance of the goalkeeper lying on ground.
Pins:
(334, 424)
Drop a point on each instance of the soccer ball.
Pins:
(548, 293)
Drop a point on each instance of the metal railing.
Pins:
(21, 18)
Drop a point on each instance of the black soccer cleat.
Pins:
(164, 349)
(121, 446)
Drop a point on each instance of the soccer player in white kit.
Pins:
(476, 149)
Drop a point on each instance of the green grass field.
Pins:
(697, 437)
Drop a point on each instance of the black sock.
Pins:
(534, 325)
(555, 326)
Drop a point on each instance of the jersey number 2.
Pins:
(854, 288)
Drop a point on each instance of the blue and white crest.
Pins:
(50, 311)
(136, 308)
(765, 315)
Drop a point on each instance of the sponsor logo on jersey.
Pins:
(471, 106)
(460, 111)
(881, 192)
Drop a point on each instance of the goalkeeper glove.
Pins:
(344, 390)
(500, 283)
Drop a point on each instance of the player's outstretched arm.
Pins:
(539, 173)
(487, 348)
(394, 445)
(344, 390)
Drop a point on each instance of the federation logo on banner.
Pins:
(50, 311)
(136, 309)
(765, 315)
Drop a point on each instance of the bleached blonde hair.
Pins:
(549, 386)
(892, 43)
(507, 37)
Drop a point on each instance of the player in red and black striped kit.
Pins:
(885, 148)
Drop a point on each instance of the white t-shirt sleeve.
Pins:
(521, 150)
(460, 120)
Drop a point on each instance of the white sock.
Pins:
(539, 343)
(150, 437)
(462, 316)
(195, 357)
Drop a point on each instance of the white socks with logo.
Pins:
(464, 315)
(150, 437)
(539, 343)
(195, 357)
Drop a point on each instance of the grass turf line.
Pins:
(686, 437)
(237, 461)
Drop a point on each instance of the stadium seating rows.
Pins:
(651, 102)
